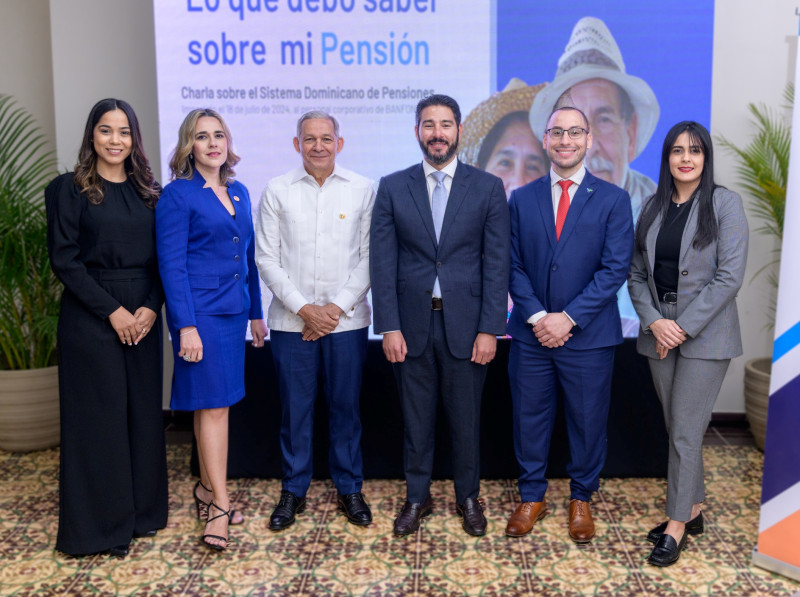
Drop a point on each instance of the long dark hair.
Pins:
(137, 167)
(707, 227)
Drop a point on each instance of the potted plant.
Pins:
(29, 291)
(763, 168)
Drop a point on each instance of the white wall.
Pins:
(103, 48)
(754, 57)
(26, 70)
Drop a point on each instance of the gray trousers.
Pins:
(687, 389)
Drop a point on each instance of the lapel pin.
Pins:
(236, 197)
(589, 190)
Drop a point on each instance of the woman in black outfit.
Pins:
(101, 238)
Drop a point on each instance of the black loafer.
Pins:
(693, 527)
(283, 514)
(667, 551)
(150, 533)
(410, 516)
(119, 551)
(355, 507)
(474, 521)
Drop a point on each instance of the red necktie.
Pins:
(563, 206)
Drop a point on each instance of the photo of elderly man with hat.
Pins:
(622, 111)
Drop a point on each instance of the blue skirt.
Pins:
(218, 380)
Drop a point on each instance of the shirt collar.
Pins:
(576, 178)
(450, 169)
(300, 173)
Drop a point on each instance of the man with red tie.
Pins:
(571, 245)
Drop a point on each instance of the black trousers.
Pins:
(113, 480)
(424, 380)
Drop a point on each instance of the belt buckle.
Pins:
(436, 304)
(671, 298)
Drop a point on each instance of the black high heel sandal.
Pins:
(206, 536)
(202, 507)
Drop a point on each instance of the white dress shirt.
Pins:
(555, 188)
(450, 171)
(312, 246)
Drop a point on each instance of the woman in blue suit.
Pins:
(204, 236)
(688, 265)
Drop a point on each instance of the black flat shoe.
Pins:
(355, 507)
(283, 514)
(150, 533)
(119, 551)
(474, 522)
(667, 551)
(411, 514)
(693, 527)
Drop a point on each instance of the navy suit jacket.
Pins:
(471, 258)
(206, 257)
(580, 272)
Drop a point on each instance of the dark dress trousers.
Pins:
(471, 261)
(113, 480)
(579, 273)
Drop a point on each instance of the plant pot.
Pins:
(29, 409)
(756, 396)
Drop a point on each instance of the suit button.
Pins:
(236, 258)
(684, 273)
(235, 276)
(427, 292)
(554, 268)
(438, 264)
(235, 239)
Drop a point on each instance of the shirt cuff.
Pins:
(536, 317)
(570, 318)
(295, 301)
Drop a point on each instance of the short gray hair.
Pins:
(316, 114)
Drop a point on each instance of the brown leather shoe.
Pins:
(581, 525)
(410, 515)
(521, 522)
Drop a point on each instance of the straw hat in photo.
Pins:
(516, 97)
(592, 53)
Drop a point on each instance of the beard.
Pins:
(435, 159)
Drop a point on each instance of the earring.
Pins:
(191, 157)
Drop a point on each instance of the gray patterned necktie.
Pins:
(438, 205)
(439, 202)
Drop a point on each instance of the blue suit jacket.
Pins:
(471, 258)
(206, 257)
(582, 271)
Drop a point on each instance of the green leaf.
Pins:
(29, 291)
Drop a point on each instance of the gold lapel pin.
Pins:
(236, 198)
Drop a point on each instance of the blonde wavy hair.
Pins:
(181, 164)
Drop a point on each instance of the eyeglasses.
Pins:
(575, 132)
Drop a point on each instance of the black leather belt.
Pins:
(436, 304)
(670, 298)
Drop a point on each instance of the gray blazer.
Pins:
(709, 280)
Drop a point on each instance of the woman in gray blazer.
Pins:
(688, 265)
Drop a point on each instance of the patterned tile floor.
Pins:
(323, 555)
